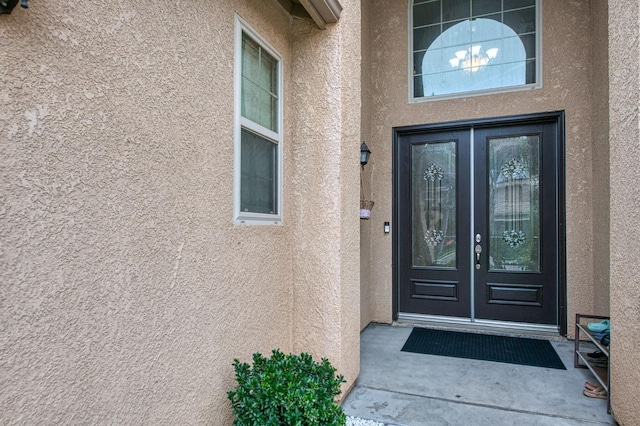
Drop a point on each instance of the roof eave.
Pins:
(322, 12)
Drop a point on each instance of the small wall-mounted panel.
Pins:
(435, 290)
(512, 294)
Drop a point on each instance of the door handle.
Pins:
(478, 250)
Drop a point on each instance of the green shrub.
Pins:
(286, 390)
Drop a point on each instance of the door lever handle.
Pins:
(478, 250)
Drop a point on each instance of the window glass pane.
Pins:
(531, 71)
(482, 7)
(417, 73)
(417, 59)
(418, 88)
(492, 46)
(426, 13)
(514, 4)
(496, 17)
(259, 84)
(514, 203)
(449, 34)
(529, 42)
(456, 9)
(433, 189)
(473, 55)
(521, 21)
(423, 37)
(259, 174)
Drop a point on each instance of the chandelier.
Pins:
(473, 58)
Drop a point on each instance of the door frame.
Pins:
(556, 117)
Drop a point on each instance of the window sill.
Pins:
(257, 220)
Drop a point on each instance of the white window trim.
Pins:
(519, 88)
(239, 217)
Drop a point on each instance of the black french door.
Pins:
(477, 219)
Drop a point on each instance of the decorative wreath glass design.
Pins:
(433, 237)
(515, 169)
(433, 173)
(513, 238)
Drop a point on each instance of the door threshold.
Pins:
(481, 326)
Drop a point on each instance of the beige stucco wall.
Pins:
(126, 289)
(600, 142)
(566, 86)
(326, 117)
(624, 99)
(365, 224)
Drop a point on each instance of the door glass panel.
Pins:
(514, 203)
(433, 191)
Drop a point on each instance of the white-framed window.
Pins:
(257, 184)
(468, 47)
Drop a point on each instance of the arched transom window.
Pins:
(466, 46)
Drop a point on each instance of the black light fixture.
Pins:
(364, 154)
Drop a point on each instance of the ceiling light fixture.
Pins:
(473, 58)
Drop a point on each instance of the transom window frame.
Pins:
(497, 90)
(242, 123)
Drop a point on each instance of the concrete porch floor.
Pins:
(402, 388)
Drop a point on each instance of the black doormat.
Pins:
(512, 350)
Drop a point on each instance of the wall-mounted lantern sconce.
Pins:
(6, 6)
(364, 154)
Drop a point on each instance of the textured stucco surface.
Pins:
(366, 226)
(326, 262)
(600, 142)
(126, 289)
(624, 98)
(566, 86)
